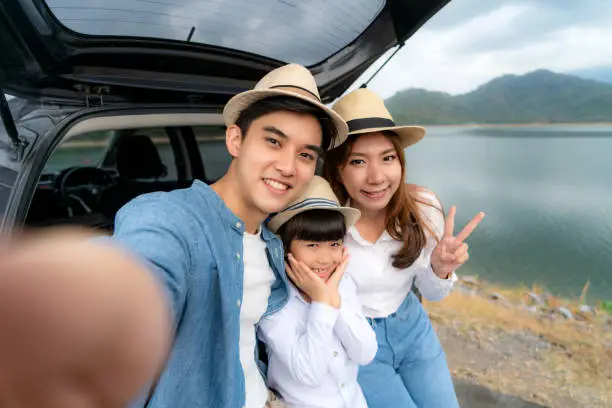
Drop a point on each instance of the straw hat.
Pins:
(318, 196)
(365, 112)
(289, 80)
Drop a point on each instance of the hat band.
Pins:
(369, 123)
(297, 89)
(312, 202)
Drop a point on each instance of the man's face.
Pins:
(276, 160)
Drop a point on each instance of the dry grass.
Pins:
(579, 355)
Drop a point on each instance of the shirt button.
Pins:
(335, 353)
(341, 385)
(238, 225)
(237, 255)
(238, 303)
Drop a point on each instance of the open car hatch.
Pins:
(192, 51)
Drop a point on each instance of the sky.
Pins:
(470, 42)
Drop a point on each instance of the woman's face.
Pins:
(373, 172)
(321, 257)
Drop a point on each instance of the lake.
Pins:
(547, 192)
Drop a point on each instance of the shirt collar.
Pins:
(354, 233)
(293, 291)
(214, 201)
(357, 237)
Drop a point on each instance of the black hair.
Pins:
(313, 225)
(289, 104)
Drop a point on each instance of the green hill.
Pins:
(541, 96)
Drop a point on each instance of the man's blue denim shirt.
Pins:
(193, 244)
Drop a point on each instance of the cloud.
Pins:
(470, 42)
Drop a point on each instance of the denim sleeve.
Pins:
(157, 230)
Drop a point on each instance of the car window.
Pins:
(211, 143)
(82, 150)
(164, 148)
(139, 151)
(304, 32)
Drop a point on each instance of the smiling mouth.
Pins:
(375, 194)
(320, 271)
(276, 185)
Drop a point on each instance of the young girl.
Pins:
(401, 239)
(316, 343)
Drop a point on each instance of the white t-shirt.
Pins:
(381, 287)
(258, 279)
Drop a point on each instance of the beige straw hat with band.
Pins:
(289, 80)
(318, 196)
(365, 112)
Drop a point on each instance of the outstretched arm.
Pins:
(87, 323)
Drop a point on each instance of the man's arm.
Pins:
(88, 323)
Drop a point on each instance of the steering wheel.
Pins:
(84, 185)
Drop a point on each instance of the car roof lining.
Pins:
(142, 121)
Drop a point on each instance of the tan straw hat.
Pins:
(318, 196)
(365, 112)
(289, 80)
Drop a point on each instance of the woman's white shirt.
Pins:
(381, 287)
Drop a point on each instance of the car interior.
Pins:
(90, 176)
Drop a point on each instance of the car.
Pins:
(102, 103)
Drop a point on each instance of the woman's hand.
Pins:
(451, 252)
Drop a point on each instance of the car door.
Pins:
(8, 172)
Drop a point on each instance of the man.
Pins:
(99, 329)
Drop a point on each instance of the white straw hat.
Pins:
(318, 196)
(289, 80)
(365, 112)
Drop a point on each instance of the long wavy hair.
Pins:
(404, 220)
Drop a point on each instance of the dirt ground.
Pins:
(504, 357)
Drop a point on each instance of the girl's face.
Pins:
(373, 172)
(321, 257)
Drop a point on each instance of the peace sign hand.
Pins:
(451, 252)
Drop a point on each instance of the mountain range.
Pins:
(540, 96)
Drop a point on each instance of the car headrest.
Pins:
(138, 158)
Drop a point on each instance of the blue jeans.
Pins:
(410, 368)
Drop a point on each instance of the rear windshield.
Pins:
(301, 31)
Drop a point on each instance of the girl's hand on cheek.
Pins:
(307, 281)
(334, 280)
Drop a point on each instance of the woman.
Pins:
(401, 238)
